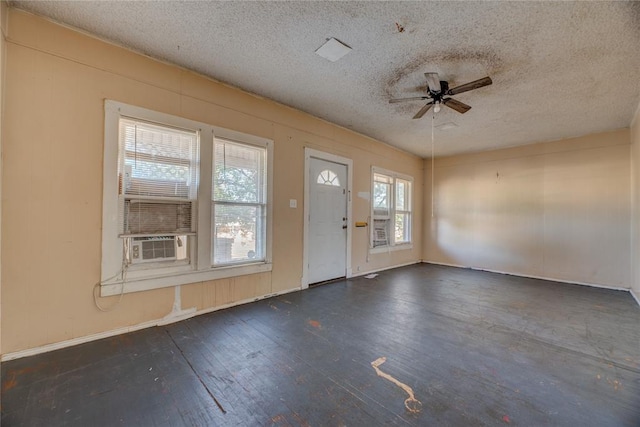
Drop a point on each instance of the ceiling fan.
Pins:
(438, 90)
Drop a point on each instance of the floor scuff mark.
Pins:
(411, 403)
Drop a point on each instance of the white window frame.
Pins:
(261, 203)
(115, 278)
(393, 245)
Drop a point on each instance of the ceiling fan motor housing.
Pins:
(437, 96)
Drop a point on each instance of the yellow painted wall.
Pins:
(635, 197)
(558, 210)
(57, 80)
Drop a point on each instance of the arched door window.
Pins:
(328, 177)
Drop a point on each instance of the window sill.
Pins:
(175, 279)
(384, 249)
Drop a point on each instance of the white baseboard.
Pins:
(551, 279)
(444, 264)
(364, 273)
(633, 294)
(192, 312)
(170, 318)
(176, 316)
(244, 301)
(75, 341)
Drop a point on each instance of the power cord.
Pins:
(123, 274)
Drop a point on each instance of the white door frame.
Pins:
(308, 154)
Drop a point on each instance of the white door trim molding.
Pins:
(308, 154)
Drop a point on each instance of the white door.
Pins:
(327, 220)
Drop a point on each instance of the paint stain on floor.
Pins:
(13, 374)
(9, 383)
(279, 420)
(614, 383)
(282, 420)
(412, 404)
(315, 324)
(301, 421)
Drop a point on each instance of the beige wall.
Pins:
(635, 197)
(57, 80)
(3, 32)
(558, 210)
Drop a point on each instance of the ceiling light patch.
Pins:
(333, 50)
(446, 126)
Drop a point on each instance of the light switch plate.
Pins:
(293, 203)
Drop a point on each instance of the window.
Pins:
(183, 201)
(239, 203)
(402, 214)
(328, 177)
(391, 210)
(157, 190)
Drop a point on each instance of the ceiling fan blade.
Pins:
(423, 110)
(485, 81)
(433, 81)
(413, 98)
(460, 107)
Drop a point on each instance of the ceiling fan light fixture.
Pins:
(438, 90)
(446, 126)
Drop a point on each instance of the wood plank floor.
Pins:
(461, 348)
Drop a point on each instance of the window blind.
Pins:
(158, 173)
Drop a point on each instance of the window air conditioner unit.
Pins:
(380, 235)
(153, 249)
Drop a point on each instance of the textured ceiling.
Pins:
(559, 69)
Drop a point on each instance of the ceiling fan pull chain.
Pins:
(433, 119)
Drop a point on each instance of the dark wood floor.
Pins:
(462, 348)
